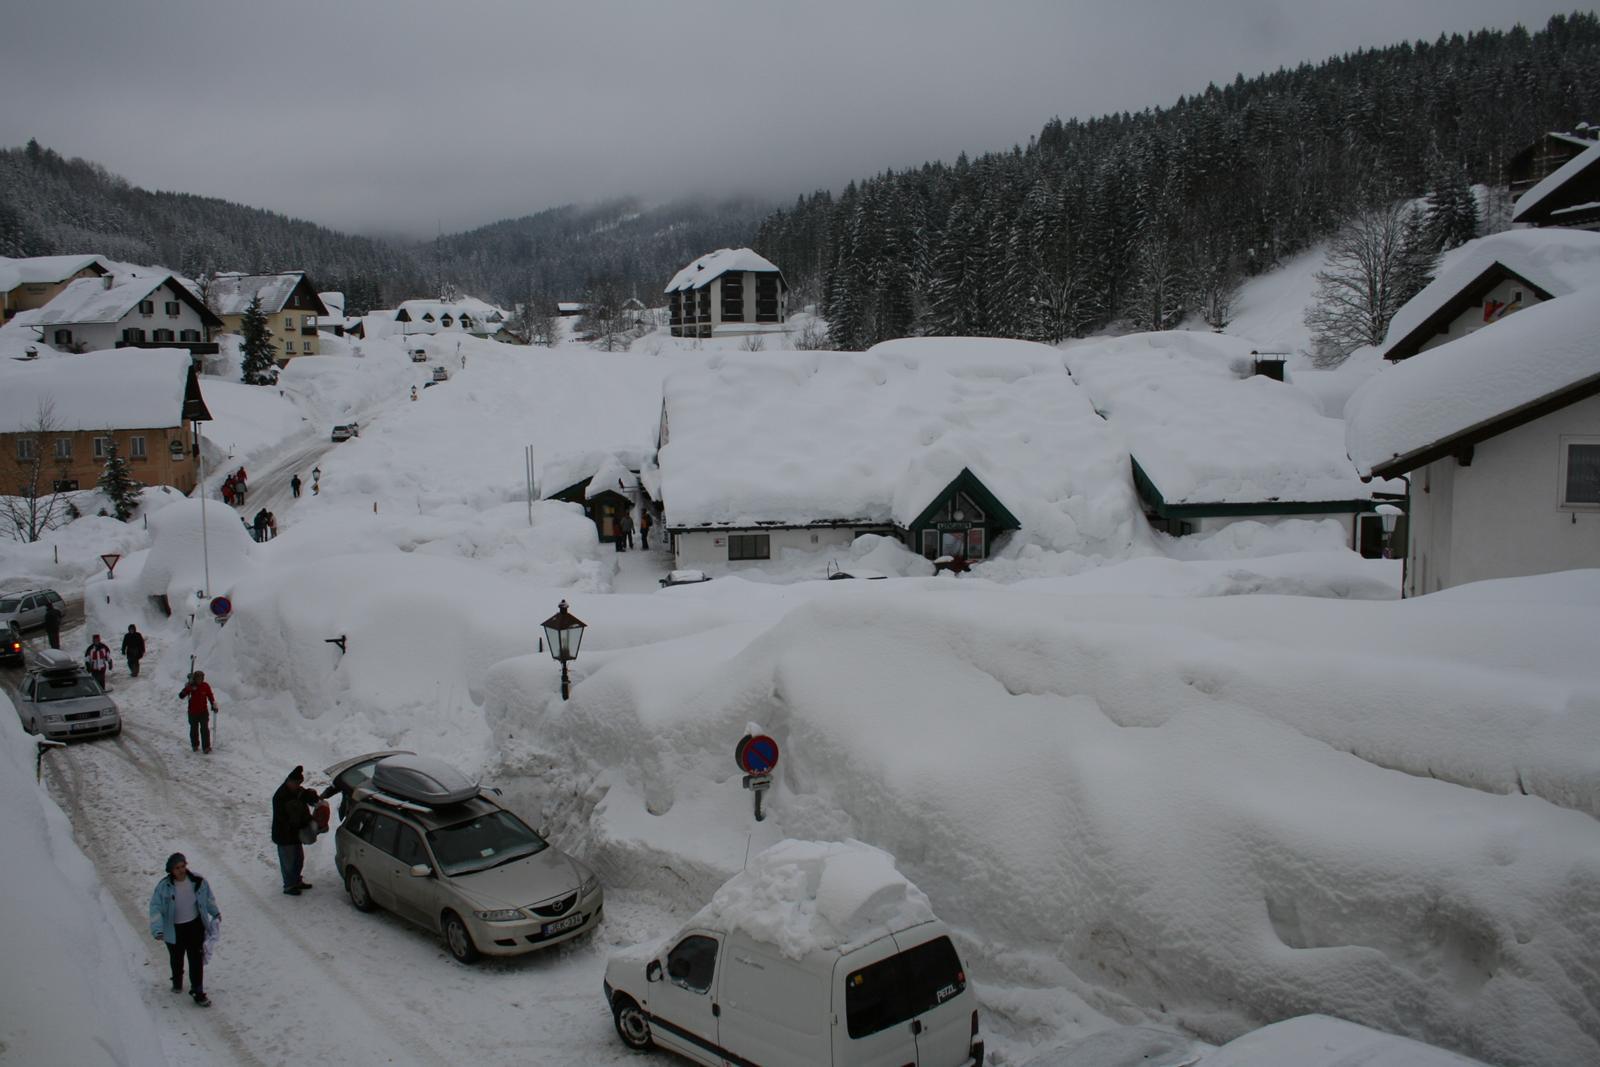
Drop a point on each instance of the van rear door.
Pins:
(937, 994)
(871, 1027)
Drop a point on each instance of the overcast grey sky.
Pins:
(402, 115)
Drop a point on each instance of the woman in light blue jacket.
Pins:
(182, 912)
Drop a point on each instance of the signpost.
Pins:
(110, 560)
(221, 608)
(756, 755)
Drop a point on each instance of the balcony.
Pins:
(308, 331)
(194, 348)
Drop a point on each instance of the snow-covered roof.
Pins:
(1205, 435)
(35, 270)
(808, 896)
(90, 300)
(334, 302)
(231, 293)
(875, 436)
(571, 306)
(1569, 170)
(481, 313)
(1558, 261)
(699, 274)
(602, 469)
(1466, 387)
(128, 388)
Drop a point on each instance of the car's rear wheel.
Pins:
(356, 886)
(633, 1026)
(458, 940)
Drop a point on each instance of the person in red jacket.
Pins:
(199, 695)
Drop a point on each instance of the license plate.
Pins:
(571, 921)
(82, 727)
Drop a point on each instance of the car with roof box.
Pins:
(62, 701)
(431, 845)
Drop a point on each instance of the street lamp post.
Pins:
(1389, 515)
(563, 631)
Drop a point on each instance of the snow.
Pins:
(808, 896)
(91, 300)
(707, 268)
(1206, 430)
(1558, 261)
(1554, 181)
(42, 269)
(1201, 784)
(132, 389)
(874, 436)
(231, 293)
(1446, 391)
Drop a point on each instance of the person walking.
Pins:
(133, 649)
(199, 694)
(291, 812)
(294, 486)
(97, 658)
(52, 624)
(644, 529)
(183, 912)
(260, 524)
(272, 526)
(627, 527)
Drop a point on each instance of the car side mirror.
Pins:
(421, 870)
(652, 973)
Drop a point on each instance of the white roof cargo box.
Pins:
(422, 780)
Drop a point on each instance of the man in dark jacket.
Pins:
(52, 625)
(133, 648)
(291, 811)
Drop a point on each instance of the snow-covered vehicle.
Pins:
(684, 578)
(864, 976)
(441, 374)
(61, 700)
(419, 355)
(426, 842)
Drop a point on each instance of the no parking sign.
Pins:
(756, 754)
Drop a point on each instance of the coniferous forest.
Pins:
(1140, 219)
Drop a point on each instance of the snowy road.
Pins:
(308, 979)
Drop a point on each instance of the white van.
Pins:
(894, 994)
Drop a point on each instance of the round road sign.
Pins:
(757, 754)
(221, 606)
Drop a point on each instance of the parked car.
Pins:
(347, 431)
(61, 700)
(355, 773)
(716, 995)
(27, 607)
(10, 644)
(426, 842)
(441, 374)
(684, 578)
(419, 355)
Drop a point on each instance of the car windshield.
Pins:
(489, 840)
(69, 687)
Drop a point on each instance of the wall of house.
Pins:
(94, 336)
(1211, 524)
(31, 295)
(158, 466)
(285, 327)
(1472, 319)
(708, 549)
(1502, 517)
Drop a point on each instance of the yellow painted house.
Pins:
(33, 282)
(289, 301)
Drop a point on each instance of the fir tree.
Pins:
(1452, 209)
(117, 483)
(256, 348)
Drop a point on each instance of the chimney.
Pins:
(1269, 364)
(107, 281)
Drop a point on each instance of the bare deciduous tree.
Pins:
(1376, 262)
(39, 505)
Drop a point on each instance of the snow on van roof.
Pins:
(805, 896)
(699, 274)
(875, 436)
(1206, 435)
(1466, 385)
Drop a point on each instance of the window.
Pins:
(930, 544)
(147, 307)
(172, 309)
(446, 320)
(188, 335)
(749, 546)
(102, 445)
(733, 297)
(766, 298)
(383, 833)
(1580, 472)
(288, 346)
(133, 336)
(891, 991)
(288, 322)
(27, 448)
(164, 336)
(63, 448)
(308, 321)
(693, 962)
(360, 824)
(63, 337)
(409, 850)
(136, 448)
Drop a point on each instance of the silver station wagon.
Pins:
(62, 701)
(424, 841)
